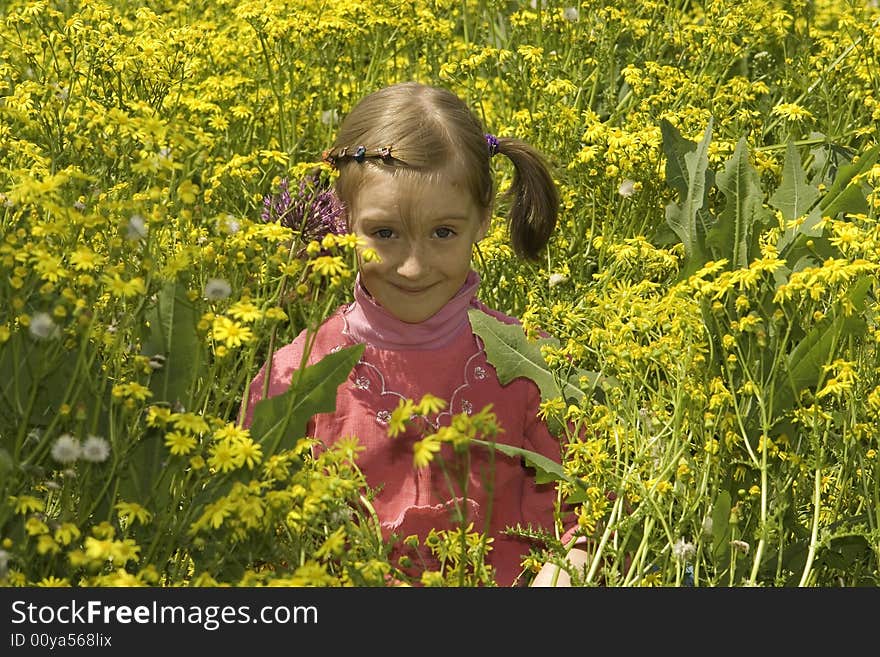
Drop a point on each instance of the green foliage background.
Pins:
(711, 287)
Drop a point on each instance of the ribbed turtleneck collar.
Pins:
(369, 322)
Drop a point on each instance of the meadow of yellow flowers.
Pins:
(711, 287)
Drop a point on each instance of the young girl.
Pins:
(416, 185)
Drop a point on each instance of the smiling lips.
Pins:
(407, 290)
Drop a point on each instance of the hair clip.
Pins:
(359, 154)
(385, 153)
(492, 143)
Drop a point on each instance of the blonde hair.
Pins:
(415, 129)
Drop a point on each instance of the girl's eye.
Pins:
(444, 232)
(384, 233)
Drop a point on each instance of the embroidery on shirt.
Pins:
(383, 416)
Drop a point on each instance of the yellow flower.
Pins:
(25, 504)
(131, 512)
(791, 112)
(424, 450)
(124, 551)
(245, 311)
(230, 332)
(247, 452)
(429, 404)
(191, 422)
(34, 526)
(66, 533)
(333, 546)
(52, 581)
(121, 288)
(84, 259)
(223, 457)
(328, 265)
(97, 549)
(47, 545)
(179, 443)
(399, 417)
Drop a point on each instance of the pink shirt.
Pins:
(443, 357)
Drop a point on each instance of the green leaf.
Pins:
(721, 525)
(806, 362)
(512, 355)
(794, 197)
(144, 467)
(546, 469)
(172, 335)
(735, 235)
(312, 390)
(844, 194)
(690, 175)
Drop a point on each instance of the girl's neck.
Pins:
(366, 321)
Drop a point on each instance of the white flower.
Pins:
(232, 224)
(627, 188)
(571, 14)
(43, 327)
(66, 449)
(556, 279)
(707, 526)
(136, 228)
(95, 449)
(683, 550)
(216, 289)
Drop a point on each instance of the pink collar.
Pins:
(367, 321)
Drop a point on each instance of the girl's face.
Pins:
(424, 232)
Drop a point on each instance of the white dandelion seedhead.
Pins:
(627, 188)
(683, 550)
(740, 546)
(66, 449)
(556, 279)
(43, 327)
(95, 449)
(571, 14)
(707, 526)
(217, 289)
(232, 224)
(136, 229)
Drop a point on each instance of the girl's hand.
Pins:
(577, 558)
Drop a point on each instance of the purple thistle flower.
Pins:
(313, 212)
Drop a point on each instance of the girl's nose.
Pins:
(413, 264)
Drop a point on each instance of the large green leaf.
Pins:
(845, 194)
(806, 362)
(312, 390)
(546, 470)
(735, 235)
(512, 355)
(794, 198)
(173, 336)
(721, 525)
(690, 174)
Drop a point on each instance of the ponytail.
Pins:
(534, 199)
